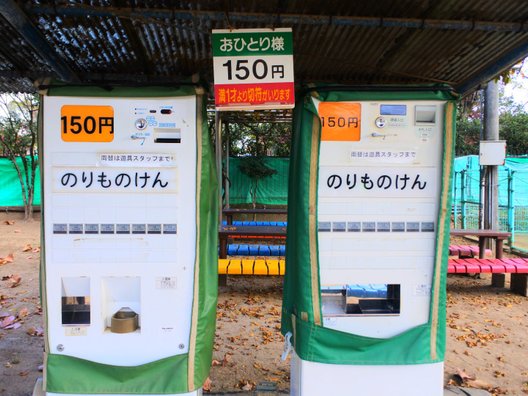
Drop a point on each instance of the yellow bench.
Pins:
(251, 267)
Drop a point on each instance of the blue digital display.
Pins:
(399, 110)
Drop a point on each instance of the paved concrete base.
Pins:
(449, 391)
(456, 391)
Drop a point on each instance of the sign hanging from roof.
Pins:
(253, 69)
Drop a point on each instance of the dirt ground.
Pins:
(487, 328)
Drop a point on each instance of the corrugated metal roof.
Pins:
(462, 43)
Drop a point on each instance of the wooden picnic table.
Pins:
(229, 212)
(249, 232)
(497, 280)
(483, 236)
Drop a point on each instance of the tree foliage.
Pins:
(514, 129)
(260, 139)
(256, 169)
(19, 141)
(468, 136)
(513, 126)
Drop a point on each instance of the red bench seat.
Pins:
(464, 251)
(517, 267)
(490, 265)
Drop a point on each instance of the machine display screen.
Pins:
(386, 109)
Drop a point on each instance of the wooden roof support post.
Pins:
(491, 189)
(218, 150)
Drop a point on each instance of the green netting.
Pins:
(513, 197)
(467, 180)
(11, 192)
(271, 190)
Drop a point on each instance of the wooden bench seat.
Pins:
(251, 267)
(517, 267)
(257, 237)
(464, 251)
(226, 232)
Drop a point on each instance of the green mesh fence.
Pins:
(271, 190)
(513, 196)
(11, 192)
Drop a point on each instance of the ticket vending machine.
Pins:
(129, 263)
(368, 229)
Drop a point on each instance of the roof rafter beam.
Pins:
(285, 19)
(16, 17)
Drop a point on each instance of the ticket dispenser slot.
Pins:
(372, 299)
(75, 301)
(121, 295)
(167, 135)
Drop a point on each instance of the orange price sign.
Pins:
(82, 123)
(340, 121)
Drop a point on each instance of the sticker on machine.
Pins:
(75, 331)
(383, 156)
(166, 283)
(377, 182)
(86, 180)
(340, 121)
(423, 290)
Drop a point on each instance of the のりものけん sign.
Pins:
(253, 69)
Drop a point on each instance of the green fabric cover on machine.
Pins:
(179, 373)
(311, 340)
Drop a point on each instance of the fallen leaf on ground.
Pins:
(14, 280)
(36, 250)
(23, 373)
(207, 385)
(461, 378)
(247, 387)
(478, 384)
(27, 248)
(7, 321)
(7, 259)
(464, 376)
(35, 331)
(9, 222)
(23, 313)
(498, 374)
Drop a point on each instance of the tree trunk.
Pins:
(28, 207)
(254, 195)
